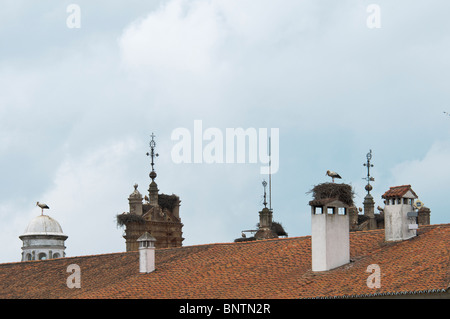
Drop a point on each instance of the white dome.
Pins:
(43, 225)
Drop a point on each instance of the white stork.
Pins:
(42, 206)
(333, 175)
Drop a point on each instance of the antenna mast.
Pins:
(270, 176)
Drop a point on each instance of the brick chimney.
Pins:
(423, 217)
(146, 253)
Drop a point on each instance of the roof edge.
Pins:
(381, 294)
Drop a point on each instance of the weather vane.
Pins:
(152, 154)
(264, 183)
(368, 178)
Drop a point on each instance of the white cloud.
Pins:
(89, 190)
(428, 177)
(12, 216)
(431, 170)
(203, 38)
(181, 35)
(74, 104)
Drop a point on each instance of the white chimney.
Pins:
(146, 253)
(400, 216)
(330, 243)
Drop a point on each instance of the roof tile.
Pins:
(398, 191)
(273, 268)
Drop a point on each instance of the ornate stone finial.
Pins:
(368, 178)
(152, 154)
(135, 195)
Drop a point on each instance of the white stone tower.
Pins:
(43, 239)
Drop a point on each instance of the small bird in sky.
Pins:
(42, 206)
(333, 175)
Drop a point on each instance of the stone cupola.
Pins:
(43, 238)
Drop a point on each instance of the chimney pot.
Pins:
(146, 253)
(400, 216)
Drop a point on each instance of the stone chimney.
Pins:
(423, 217)
(146, 253)
(330, 243)
(353, 218)
(400, 217)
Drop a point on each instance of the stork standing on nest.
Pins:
(333, 175)
(42, 206)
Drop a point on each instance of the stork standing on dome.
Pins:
(42, 206)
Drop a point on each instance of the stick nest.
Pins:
(168, 201)
(342, 192)
(125, 218)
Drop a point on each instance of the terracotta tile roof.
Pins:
(273, 268)
(398, 191)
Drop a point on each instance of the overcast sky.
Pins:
(78, 106)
